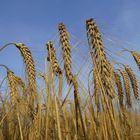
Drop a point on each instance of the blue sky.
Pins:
(34, 22)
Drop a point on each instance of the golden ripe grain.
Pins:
(119, 87)
(30, 66)
(103, 66)
(133, 81)
(127, 87)
(136, 57)
(66, 51)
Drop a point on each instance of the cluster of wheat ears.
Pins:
(106, 114)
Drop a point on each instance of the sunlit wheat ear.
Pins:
(136, 57)
(103, 66)
(29, 62)
(66, 51)
(127, 87)
(13, 86)
(30, 66)
(55, 66)
(133, 81)
(52, 58)
(119, 87)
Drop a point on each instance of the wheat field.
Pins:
(105, 106)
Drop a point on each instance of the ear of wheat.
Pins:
(127, 87)
(55, 66)
(13, 86)
(103, 66)
(12, 80)
(66, 51)
(136, 57)
(119, 87)
(133, 81)
(30, 66)
(52, 58)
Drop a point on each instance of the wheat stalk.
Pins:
(66, 48)
(77, 105)
(105, 99)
